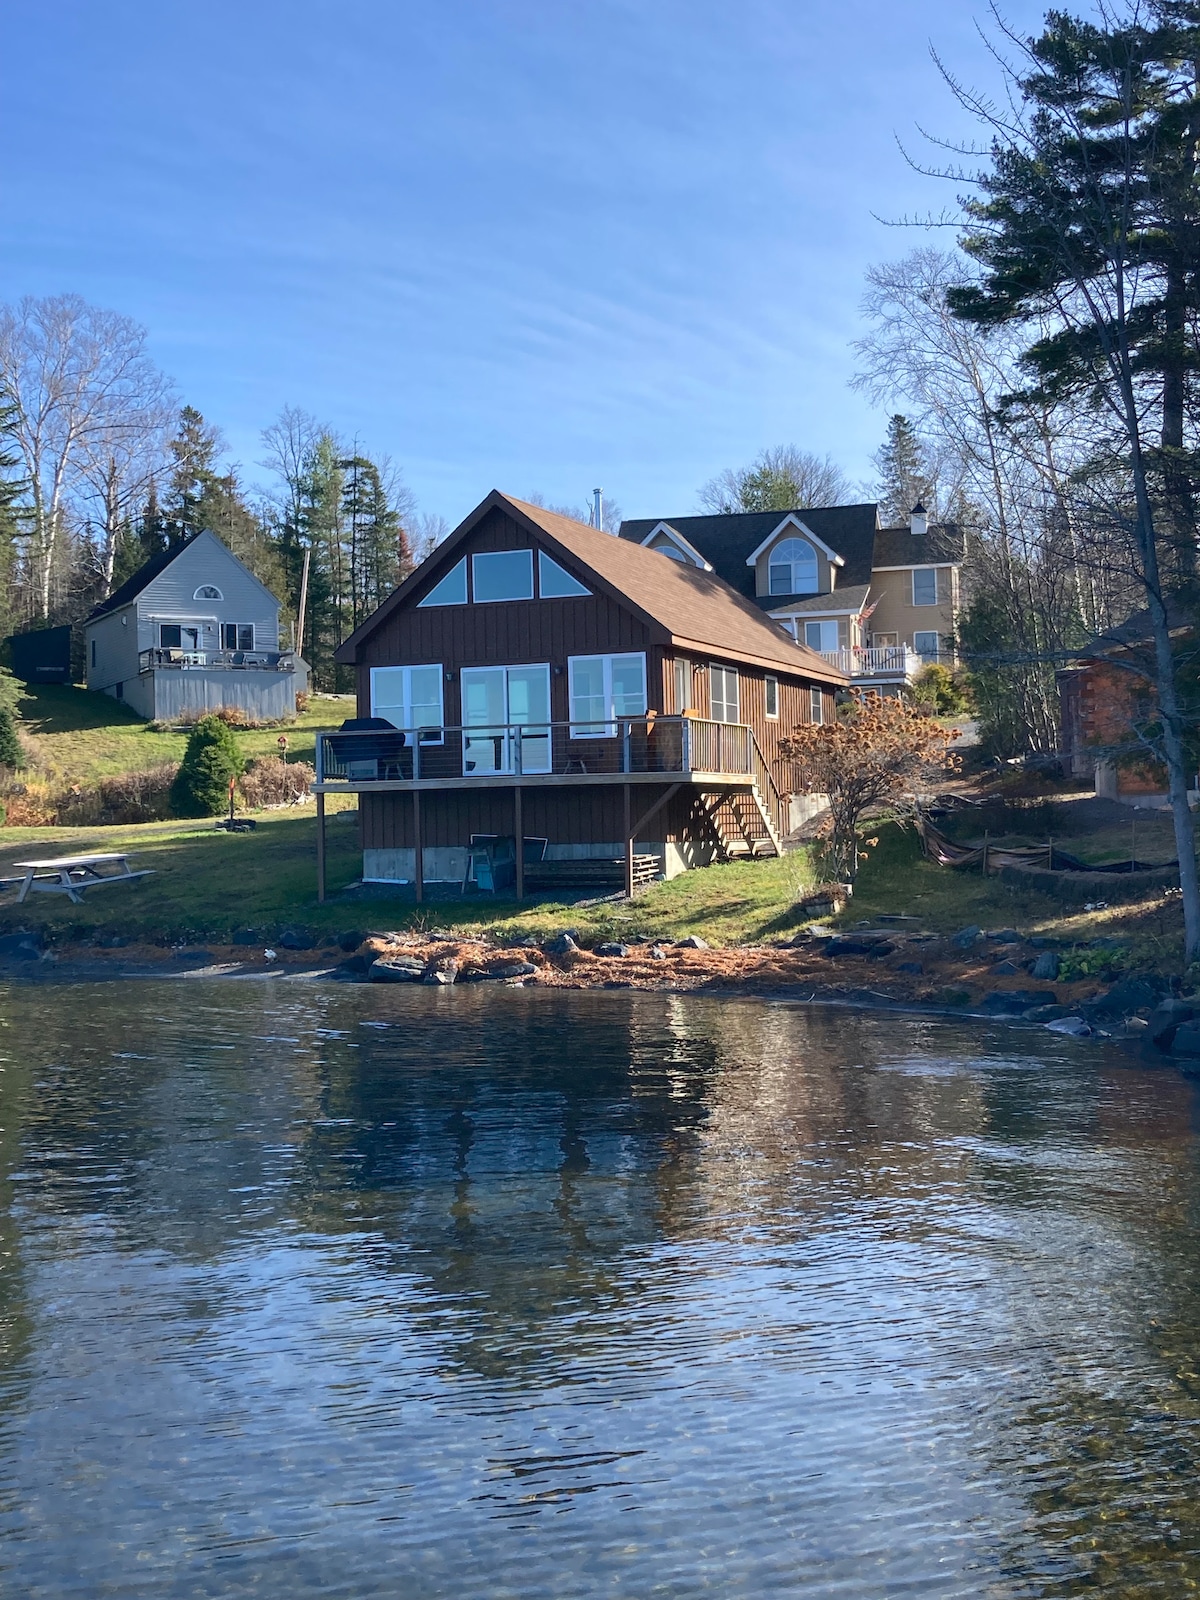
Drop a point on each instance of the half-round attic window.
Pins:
(208, 591)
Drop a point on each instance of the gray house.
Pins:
(193, 630)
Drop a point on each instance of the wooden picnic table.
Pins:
(71, 875)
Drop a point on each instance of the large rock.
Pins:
(1004, 969)
(692, 942)
(297, 939)
(396, 969)
(1073, 1027)
(874, 945)
(1045, 967)
(1166, 1018)
(1015, 1002)
(611, 948)
(1004, 936)
(1187, 1040)
(1126, 996)
(561, 945)
(21, 947)
(966, 937)
(350, 940)
(509, 969)
(443, 975)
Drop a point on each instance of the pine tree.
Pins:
(905, 479)
(212, 758)
(194, 452)
(11, 753)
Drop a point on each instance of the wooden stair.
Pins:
(738, 823)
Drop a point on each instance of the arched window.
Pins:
(793, 568)
(208, 591)
(670, 550)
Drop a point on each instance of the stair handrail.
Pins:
(765, 780)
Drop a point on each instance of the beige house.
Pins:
(878, 603)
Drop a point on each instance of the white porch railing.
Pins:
(880, 661)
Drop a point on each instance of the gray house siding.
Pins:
(116, 639)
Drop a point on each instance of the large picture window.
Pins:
(792, 568)
(723, 692)
(410, 697)
(502, 575)
(603, 688)
(237, 636)
(925, 586)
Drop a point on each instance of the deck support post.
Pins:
(418, 849)
(320, 847)
(519, 831)
(628, 788)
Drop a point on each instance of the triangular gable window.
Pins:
(555, 582)
(451, 590)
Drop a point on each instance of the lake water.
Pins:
(335, 1291)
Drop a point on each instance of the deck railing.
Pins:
(881, 661)
(682, 745)
(236, 660)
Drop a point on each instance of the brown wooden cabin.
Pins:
(539, 680)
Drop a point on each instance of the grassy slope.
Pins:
(76, 737)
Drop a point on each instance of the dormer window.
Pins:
(208, 591)
(793, 568)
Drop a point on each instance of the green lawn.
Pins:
(77, 737)
(207, 884)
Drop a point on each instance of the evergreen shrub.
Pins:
(213, 756)
(11, 754)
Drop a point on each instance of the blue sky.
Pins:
(529, 244)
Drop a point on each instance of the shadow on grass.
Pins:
(57, 708)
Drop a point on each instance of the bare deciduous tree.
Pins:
(783, 478)
(83, 385)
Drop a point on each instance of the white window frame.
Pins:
(586, 728)
(816, 704)
(208, 591)
(547, 567)
(450, 572)
(820, 625)
(500, 600)
(774, 561)
(923, 572)
(417, 666)
(927, 633)
(683, 685)
(715, 667)
(771, 694)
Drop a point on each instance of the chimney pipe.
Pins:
(598, 508)
(918, 520)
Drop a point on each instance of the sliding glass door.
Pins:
(496, 702)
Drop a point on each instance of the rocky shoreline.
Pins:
(998, 975)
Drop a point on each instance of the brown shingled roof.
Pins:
(699, 610)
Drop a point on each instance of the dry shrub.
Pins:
(272, 782)
(28, 811)
(231, 716)
(127, 797)
(302, 701)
